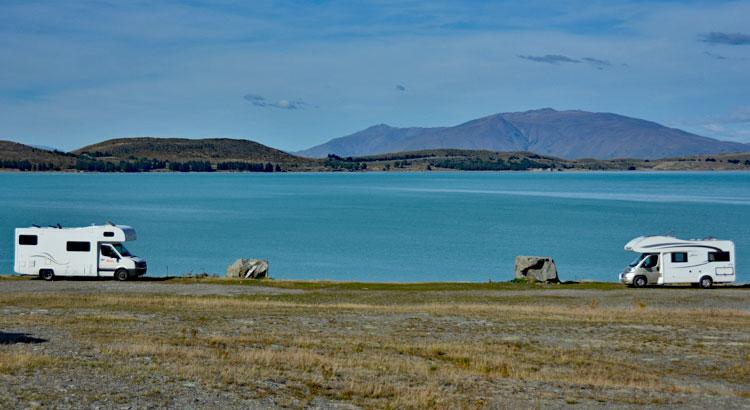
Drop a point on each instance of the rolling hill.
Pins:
(159, 154)
(565, 134)
(13, 153)
(183, 149)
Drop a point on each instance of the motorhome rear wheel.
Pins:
(706, 282)
(47, 274)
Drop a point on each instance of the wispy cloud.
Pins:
(260, 101)
(400, 87)
(550, 59)
(732, 126)
(714, 55)
(740, 115)
(557, 59)
(732, 39)
(600, 64)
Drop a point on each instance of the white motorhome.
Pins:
(666, 260)
(89, 251)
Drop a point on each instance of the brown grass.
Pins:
(18, 361)
(394, 352)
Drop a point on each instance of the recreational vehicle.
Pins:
(665, 260)
(89, 251)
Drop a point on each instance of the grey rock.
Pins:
(536, 269)
(248, 269)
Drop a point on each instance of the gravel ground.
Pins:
(138, 287)
(91, 376)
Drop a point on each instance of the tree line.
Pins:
(476, 164)
(248, 167)
(26, 165)
(338, 163)
(89, 164)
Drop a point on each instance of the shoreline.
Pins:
(361, 285)
(391, 171)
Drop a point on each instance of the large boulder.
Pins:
(248, 269)
(536, 269)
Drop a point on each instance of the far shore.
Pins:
(391, 171)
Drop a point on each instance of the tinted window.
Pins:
(79, 246)
(718, 256)
(651, 262)
(679, 257)
(107, 251)
(27, 239)
(109, 234)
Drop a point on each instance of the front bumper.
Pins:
(626, 278)
(140, 269)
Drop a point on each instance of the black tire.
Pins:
(47, 274)
(640, 281)
(122, 275)
(706, 282)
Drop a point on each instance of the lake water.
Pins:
(386, 226)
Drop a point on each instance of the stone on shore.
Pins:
(248, 269)
(536, 269)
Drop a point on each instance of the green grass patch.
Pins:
(393, 286)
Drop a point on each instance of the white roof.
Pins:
(114, 233)
(646, 244)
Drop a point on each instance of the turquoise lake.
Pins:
(387, 226)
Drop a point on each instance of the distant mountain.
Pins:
(183, 149)
(566, 134)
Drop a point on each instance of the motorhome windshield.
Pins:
(121, 249)
(638, 260)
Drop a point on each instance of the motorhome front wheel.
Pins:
(121, 274)
(640, 281)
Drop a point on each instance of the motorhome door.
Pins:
(108, 258)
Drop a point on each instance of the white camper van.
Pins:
(666, 260)
(88, 251)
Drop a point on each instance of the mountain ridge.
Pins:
(569, 134)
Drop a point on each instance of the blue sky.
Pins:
(292, 74)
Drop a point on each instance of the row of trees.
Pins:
(140, 165)
(248, 167)
(338, 163)
(486, 165)
(191, 166)
(26, 165)
(146, 165)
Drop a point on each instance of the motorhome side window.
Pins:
(718, 256)
(78, 246)
(109, 234)
(679, 257)
(27, 239)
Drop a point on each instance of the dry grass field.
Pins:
(215, 343)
